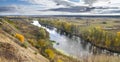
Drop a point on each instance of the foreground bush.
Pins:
(50, 53)
(25, 45)
(20, 37)
(59, 60)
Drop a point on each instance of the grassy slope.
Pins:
(11, 50)
(28, 55)
(27, 29)
(24, 27)
(20, 53)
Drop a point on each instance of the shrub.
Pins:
(59, 60)
(118, 34)
(25, 44)
(20, 37)
(35, 53)
(104, 22)
(107, 43)
(32, 42)
(50, 53)
(117, 39)
(43, 43)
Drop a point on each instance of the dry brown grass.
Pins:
(101, 58)
(11, 51)
(15, 53)
(2, 59)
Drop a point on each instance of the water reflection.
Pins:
(72, 45)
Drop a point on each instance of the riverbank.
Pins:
(57, 51)
(38, 40)
(38, 37)
(82, 29)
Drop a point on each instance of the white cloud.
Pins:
(46, 4)
(37, 5)
(54, 3)
(101, 3)
(107, 3)
(115, 1)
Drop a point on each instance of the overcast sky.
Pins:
(59, 7)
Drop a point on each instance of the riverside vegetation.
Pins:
(30, 36)
(103, 33)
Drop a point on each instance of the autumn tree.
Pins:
(20, 37)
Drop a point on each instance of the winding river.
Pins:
(72, 46)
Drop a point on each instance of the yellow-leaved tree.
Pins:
(20, 37)
(50, 53)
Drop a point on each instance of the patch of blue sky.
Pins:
(75, 0)
(16, 2)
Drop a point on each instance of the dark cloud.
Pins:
(62, 2)
(74, 9)
(90, 2)
(110, 12)
(7, 9)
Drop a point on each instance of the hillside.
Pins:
(21, 41)
(27, 43)
(11, 49)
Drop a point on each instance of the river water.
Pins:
(72, 46)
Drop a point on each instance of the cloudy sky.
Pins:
(59, 7)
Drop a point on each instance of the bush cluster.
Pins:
(20, 37)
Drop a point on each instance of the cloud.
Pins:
(107, 3)
(90, 2)
(64, 2)
(43, 3)
(8, 9)
(15, 9)
(55, 3)
(74, 9)
(61, 7)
